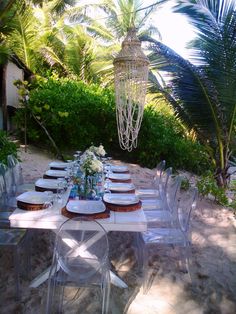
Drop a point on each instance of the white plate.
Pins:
(118, 168)
(122, 187)
(121, 199)
(33, 197)
(47, 183)
(85, 207)
(60, 164)
(119, 176)
(56, 173)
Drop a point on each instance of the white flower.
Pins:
(89, 164)
(101, 151)
(96, 165)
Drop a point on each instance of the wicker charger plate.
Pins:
(39, 189)
(30, 207)
(50, 177)
(55, 168)
(105, 214)
(120, 181)
(130, 191)
(123, 208)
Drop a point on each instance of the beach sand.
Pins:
(212, 288)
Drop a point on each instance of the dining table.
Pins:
(52, 218)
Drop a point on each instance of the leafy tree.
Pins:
(204, 95)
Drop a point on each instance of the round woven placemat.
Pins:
(121, 171)
(123, 208)
(30, 207)
(130, 191)
(55, 168)
(105, 214)
(50, 177)
(39, 189)
(120, 181)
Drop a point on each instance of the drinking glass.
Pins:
(61, 185)
(49, 199)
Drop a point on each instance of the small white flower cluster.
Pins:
(89, 163)
(99, 151)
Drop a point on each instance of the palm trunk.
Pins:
(3, 99)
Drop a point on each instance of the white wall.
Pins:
(12, 73)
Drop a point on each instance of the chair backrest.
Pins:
(186, 204)
(164, 182)
(15, 171)
(80, 244)
(2, 193)
(172, 192)
(3, 184)
(159, 170)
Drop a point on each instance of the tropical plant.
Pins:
(117, 17)
(7, 147)
(7, 13)
(203, 95)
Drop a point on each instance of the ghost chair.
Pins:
(144, 193)
(167, 215)
(179, 235)
(14, 181)
(159, 200)
(80, 259)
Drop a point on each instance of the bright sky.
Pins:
(174, 28)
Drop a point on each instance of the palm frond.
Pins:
(195, 98)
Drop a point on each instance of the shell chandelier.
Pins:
(131, 75)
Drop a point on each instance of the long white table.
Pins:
(52, 219)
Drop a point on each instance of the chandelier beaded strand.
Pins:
(131, 75)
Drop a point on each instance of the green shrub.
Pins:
(6, 147)
(207, 185)
(77, 115)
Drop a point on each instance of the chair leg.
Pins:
(17, 272)
(140, 247)
(145, 270)
(106, 293)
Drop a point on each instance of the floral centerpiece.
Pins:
(98, 151)
(90, 166)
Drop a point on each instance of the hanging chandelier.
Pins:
(130, 75)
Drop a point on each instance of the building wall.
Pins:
(12, 73)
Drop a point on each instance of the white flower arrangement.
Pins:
(99, 151)
(89, 163)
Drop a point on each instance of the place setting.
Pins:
(33, 200)
(93, 209)
(54, 174)
(122, 202)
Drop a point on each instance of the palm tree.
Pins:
(116, 18)
(204, 95)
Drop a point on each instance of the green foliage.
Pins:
(74, 113)
(207, 185)
(163, 137)
(6, 147)
(78, 115)
(185, 184)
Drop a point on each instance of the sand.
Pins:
(211, 288)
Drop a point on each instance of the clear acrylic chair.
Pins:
(80, 260)
(144, 193)
(11, 238)
(14, 181)
(178, 235)
(167, 215)
(158, 201)
(14, 239)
